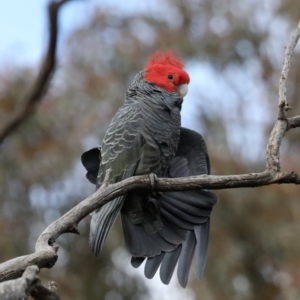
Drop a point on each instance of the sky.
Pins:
(19, 17)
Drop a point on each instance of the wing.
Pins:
(121, 151)
(91, 161)
(185, 215)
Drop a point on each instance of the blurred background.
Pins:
(233, 51)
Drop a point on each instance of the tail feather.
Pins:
(152, 265)
(137, 261)
(168, 265)
(202, 237)
(101, 223)
(185, 259)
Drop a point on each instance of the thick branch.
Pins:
(29, 283)
(20, 288)
(41, 85)
(46, 256)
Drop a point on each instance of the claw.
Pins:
(153, 179)
(153, 207)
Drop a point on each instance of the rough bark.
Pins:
(20, 288)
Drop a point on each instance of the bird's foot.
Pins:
(153, 179)
(152, 207)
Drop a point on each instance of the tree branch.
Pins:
(46, 252)
(293, 122)
(29, 283)
(20, 288)
(41, 85)
(287, 63)
(283, 124)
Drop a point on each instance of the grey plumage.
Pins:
(145, 136)
(134, 145)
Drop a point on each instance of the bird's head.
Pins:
(165, 70)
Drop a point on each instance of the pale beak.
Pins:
(182, 89)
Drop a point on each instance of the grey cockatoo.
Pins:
(145, 136)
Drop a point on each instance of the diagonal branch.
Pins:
(46, 252)
(41, 85)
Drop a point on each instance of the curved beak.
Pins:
(182, 89)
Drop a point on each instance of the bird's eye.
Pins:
(170, 76)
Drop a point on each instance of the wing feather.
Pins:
(185, 215)
(121, 151)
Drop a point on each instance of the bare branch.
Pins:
(282, 101)
(272, 154)
(293, 122)
(282, 124)
(15, 267)
(46, 256)
(28, 284)
(41, 85)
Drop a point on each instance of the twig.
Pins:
(282, 101)
(41, 85)
(293, 122)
